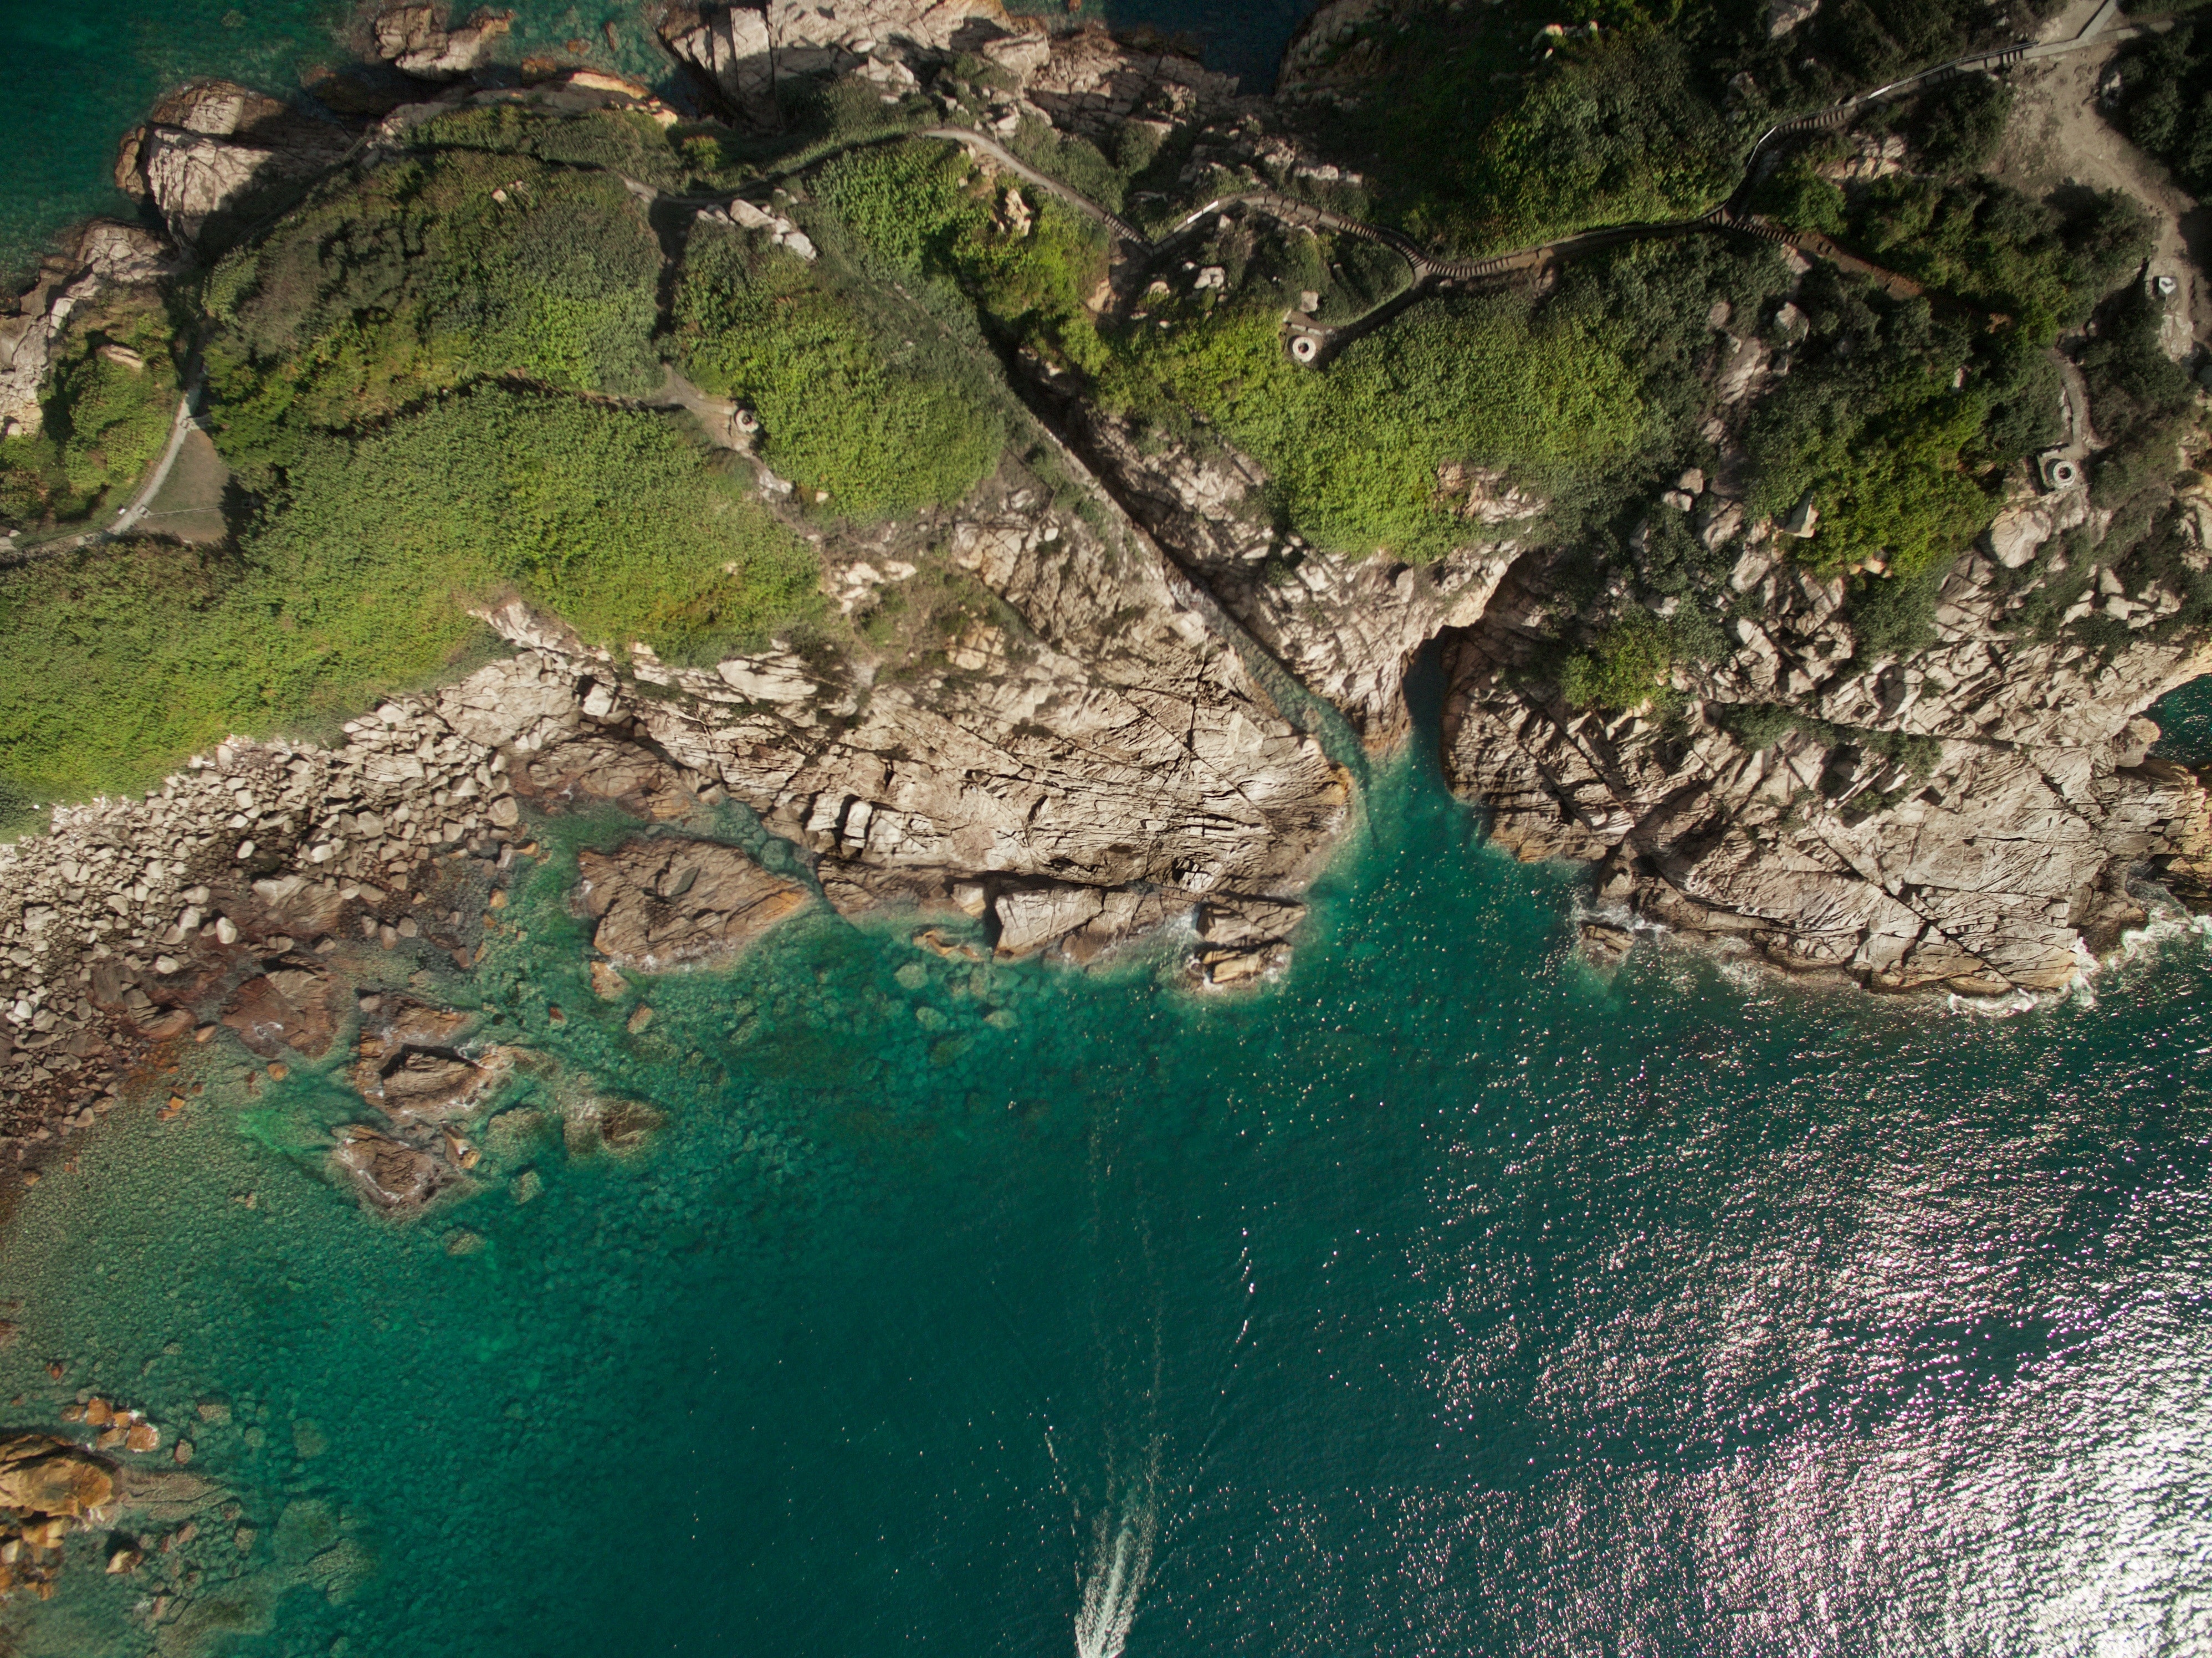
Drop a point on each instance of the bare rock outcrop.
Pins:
(100, 258)
(743, 51)
(389, 1175)
(411, 1063)
(1965, 818)
(663, 903)
(417, 40)
(213, 155)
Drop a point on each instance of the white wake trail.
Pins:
(1121, 1557)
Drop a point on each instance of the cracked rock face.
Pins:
(2002, 868)
(667, 903)
(389, 1174)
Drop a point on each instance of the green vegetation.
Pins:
(1956, 128)
(1884, 424)
(2166, 101)
(359, 578)
(1024, 260)
(105, 421)
(877, 422)
(431, 272)
(1987, 244)
(1498, 125)
(1354, 453)
(1626, 669)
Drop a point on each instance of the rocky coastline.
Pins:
(1155, 723)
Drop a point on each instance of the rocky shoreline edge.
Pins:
(1128, 735)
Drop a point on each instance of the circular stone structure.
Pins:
(1304, 348)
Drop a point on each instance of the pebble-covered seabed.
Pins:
(1442, 1298)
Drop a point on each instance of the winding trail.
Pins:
(1733, 215)
(127, 517)
(1428, 270)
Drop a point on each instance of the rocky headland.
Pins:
(1154, 715)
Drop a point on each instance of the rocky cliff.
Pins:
(1149, 712)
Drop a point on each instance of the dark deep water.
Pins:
(1444, 1298)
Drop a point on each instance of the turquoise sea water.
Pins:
(1445, 1298)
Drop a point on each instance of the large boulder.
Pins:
(662, 903)
(391, 1175)
(416, 39)
(528, 701)
(215, 156)
(408, 1066)
(45, 1478)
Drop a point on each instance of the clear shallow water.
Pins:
(1443, 1299)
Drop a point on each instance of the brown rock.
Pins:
(389, 1174)
(410, 1068)
(602, 768)
(663, 903)
(43, 1476)
(287, 1007)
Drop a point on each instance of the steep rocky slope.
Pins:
(1148, 709)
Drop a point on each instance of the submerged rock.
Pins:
(662, 903)
(389, 1174)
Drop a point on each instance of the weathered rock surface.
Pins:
(100, 258)
(42, 1477)
(415, 38)
(215, 154)
(2004, 865)
(411, 1066)
(289, 1007)
(674, 903)
(388, 1173)
(1118, 736)
(743, 51)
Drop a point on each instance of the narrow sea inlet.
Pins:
(1443, 1298)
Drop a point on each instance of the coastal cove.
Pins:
(836, 827)
(1445, 1296)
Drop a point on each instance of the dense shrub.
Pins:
(922, 209)
(2166, 101)
(1354, 451)
(1877, 424)
(429, 273)
(1625, 668)
(1986, 243)
(1956, 128)
(360, 580)
(879, 423)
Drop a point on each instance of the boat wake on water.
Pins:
(1121, 1558)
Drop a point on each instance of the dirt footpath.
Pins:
(2058, 137)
